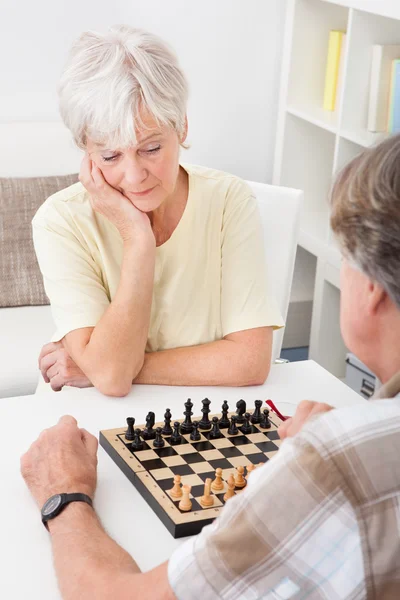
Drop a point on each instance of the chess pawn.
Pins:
(176, 437)
(265, 422)
(176, 491)
(215, 432)
(231, 479)
(233, 430)
(158, 442)
(130, 432)
(207, 500)
(246, 428)
(137, 443)
(231, 489)
(249, 469)
(217, 485)
(240, 481)
(195, 436)
(185, 504)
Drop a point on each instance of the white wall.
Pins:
(229, 49)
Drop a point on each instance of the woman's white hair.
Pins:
(111, 79)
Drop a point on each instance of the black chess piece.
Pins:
(137, 443)
(187, 425)
(195, 436)
(148, 431)
(167, 429)
(158, 442)
(233, 430)
(256, 416)
(246, 428)
(205, 422)
(215, 431)
(265, 422)
(240, 410)
(224, 420)
(176, 437)
(130, 432)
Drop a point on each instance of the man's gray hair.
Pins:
(366, 213)
(110, 78)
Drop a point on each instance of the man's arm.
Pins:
(241, 358)
(88, 563)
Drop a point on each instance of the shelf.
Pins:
(365, 30)
(331, 348)
(363, 137)
(307, 164)
(312, 22)
(316, 116)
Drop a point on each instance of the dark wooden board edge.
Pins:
(176, 530)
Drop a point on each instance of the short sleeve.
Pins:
(72, 279)
(291, 533)
(247, 299)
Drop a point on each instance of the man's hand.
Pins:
(305, 411)
(59, 369)
(62, 460)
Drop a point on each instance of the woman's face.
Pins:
(146, 174)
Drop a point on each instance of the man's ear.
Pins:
(377, 296)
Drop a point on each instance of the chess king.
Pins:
(133, 251)
(321, 519)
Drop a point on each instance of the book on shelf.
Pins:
(379, 89)
(334, 68)
(394, 99)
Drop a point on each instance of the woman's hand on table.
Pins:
(62, 460)
(112, 204)
(58, 368)
(305, 411)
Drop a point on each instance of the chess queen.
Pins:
(149, 262)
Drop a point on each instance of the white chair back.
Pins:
(280, 213)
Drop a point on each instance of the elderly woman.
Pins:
(321, 520)
(154, 269)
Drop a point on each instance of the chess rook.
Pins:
(256, 416)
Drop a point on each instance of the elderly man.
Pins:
(321, 520)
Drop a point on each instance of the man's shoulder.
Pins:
(354, 424)
(73, 199)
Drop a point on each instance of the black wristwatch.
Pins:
(54, 505)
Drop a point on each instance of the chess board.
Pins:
(152, 470)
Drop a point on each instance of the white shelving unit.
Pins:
(314, 144)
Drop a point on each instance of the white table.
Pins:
(25, 553)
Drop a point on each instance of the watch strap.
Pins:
(65, 500)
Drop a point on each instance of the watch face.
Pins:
(51, 505)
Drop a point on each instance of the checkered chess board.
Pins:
(152, 470)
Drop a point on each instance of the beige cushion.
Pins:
(21, 282)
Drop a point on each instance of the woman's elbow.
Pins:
(259, 371)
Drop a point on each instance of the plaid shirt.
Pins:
(319, 521)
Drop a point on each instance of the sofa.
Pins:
(25, 317)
